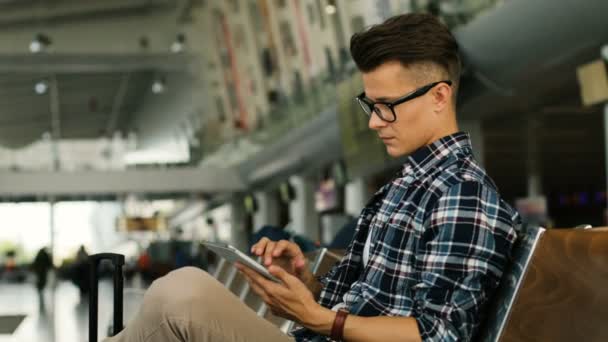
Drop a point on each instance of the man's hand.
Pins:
(285, 254)
(291, 299)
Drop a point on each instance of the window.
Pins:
(234, 102)
(358, 23)
(221, 113)
(267, 62)
(331, 66)
(234, 5)
(289, 45)
(321, 11)
(298, 87)
(239, 38)
(384, 9)
(311, 14)
(219, 38)
(255, 16)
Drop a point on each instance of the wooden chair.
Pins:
(556, 289)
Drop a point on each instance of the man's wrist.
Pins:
(319, 319)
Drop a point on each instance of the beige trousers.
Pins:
(190, 305)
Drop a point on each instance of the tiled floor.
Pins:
(64, 317)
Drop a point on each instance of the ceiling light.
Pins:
(330, 9)
(178, 45)
(40, 43)
(158, 86)
(35, 46)
(41, 88)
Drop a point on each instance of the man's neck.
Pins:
(444, 131)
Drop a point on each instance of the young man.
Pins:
(429, 248)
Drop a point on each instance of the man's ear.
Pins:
(442, 95)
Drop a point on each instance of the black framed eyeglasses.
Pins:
(386, 110)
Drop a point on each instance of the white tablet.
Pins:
(232, 254)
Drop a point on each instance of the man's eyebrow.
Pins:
(381, 99)
(377, 99)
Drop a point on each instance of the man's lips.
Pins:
(386, 138)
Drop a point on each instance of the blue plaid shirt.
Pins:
(441, 237)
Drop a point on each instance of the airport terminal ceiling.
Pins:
(48, 95)
(86, 103)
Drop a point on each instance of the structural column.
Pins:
(606, 150)
(238, 236)
(356, 196)
(302, 208)
(52, 227)
(268, 210)
(532, 154)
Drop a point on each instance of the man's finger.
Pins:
(253, 278)
(260, 246)
(268, 253)
(299, 263)
(281, 246)
(268, 286)
(258, 290)
(289, 248)
(286, 278)
(248, 271)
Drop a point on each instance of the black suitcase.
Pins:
(118, 260)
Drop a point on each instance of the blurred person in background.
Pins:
(80, 272)
(41, 266)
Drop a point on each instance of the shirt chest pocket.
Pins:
(394, 199)
(393, 252)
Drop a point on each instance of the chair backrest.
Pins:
(500, 305)
(237, 283)
(250, 298)
(223, 270)
(326, 260)
(232, 275)
(562, 294)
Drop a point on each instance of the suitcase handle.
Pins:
(118, 260)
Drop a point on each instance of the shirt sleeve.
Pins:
(462, 255)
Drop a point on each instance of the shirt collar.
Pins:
(425, 158)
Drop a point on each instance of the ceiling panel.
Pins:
(86, 102)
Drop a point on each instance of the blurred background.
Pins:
(144, 126)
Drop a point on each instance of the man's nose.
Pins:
(375, 123)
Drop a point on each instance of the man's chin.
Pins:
(394, 153)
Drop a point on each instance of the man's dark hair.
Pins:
(412, 39)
